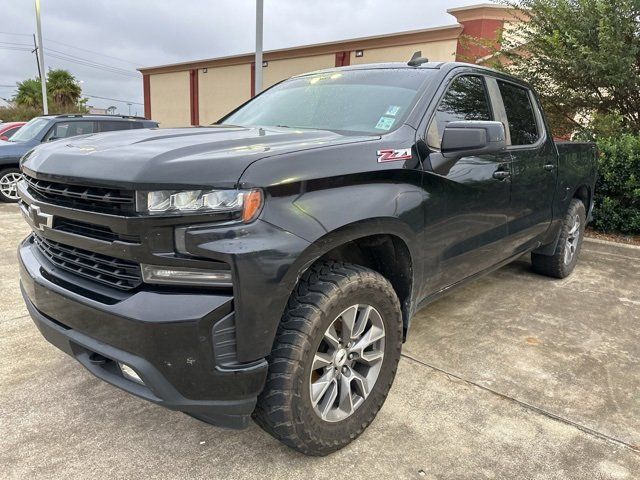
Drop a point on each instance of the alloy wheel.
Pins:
(573, 239)
(347, 363)
(9, 185)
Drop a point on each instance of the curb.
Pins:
(613, 244)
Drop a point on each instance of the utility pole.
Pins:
(45, 106)
(258, 60)
(35, 50)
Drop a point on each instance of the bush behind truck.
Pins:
(269, 266)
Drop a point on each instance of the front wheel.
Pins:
(9, 179)
(565, 257)
(334, 358)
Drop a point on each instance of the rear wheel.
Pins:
(334, 358)
(565, 256)
(9, 179)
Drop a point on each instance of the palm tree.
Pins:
(29, 93)
(63, 88)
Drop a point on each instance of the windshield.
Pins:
(351, 101)
(29, 130)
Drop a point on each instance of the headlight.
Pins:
(247, 202)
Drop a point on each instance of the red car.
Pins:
(8, 129)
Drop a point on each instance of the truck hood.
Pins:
(171, 158)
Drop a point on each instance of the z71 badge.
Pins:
(391, 155)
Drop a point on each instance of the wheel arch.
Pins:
(584, 194)
(385, 245)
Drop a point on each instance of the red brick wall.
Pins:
(485, 30)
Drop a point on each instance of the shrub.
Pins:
(617, 195)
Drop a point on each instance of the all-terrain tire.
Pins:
(285, 408)
(565, 256)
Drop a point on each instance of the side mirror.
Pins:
(472, 137)
(4, 138)
(465, 139)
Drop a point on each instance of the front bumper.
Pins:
(178, 343)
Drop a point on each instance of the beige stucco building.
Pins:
(200, 92)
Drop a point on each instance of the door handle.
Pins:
(501, 174)
(549, 167)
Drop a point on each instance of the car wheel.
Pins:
(565, 257)
(334, 358)
(8, 185)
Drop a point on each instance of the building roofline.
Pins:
(433, 34)
(476, 6)
(483, 11)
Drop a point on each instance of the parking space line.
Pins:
(6, 320)
(528, 406)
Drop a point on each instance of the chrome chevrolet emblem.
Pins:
(39, 219)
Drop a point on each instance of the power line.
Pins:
(13, 43)
(85, 61)
(91, 65)
(95, 53)
(68, 57)
(16, 34)
(17, 49)
(73, 59)
(114, 99)
(76, 48)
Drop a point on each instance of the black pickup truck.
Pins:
(270, 265)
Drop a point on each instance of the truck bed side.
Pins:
(577, 165)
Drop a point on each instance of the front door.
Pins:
(467, 223)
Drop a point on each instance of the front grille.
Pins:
(98, 232)
(100, 199)
(111, 271)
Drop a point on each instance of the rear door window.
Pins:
(113, 125)
(523, 126)
(466, 99)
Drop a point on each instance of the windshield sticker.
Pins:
(393, 110)
(385, 123)
(392, 155)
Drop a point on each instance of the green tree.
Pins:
(583, 57)
(29, 93)
(63, 88)
(64, 95)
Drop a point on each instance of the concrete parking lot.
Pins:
(512, 376)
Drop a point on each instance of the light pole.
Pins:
(43, 75)
(258, 60)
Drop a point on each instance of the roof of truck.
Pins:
(400, 65)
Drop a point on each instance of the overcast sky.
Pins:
(122, 35)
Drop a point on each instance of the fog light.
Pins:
(129, 373)
(186, 276)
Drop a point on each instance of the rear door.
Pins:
(533, 168)
(466, 223)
